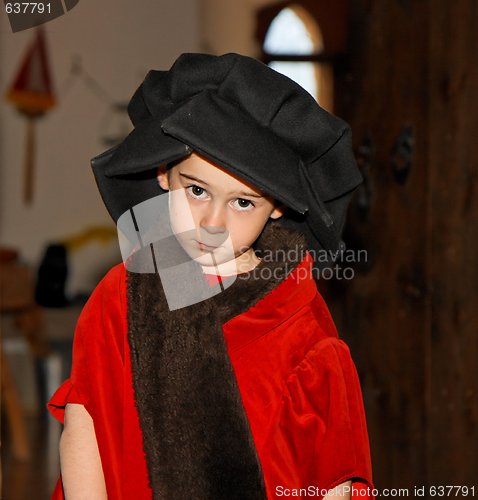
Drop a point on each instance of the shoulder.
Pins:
(327, 373)
(326, 384)
(329, 356)
(110, 290)
(114, 281)
(103, 318)
(331, 350)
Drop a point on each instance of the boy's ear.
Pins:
(278, 211)
(162, 177)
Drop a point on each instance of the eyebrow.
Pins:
(242, 193)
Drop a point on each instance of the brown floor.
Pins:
(34, 479)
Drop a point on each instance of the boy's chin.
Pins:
(211, 266)
(221, 258)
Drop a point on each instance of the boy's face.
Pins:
(228, 215)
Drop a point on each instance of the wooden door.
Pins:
(410, 315)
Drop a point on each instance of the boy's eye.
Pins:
(243, 204)
(196, 191)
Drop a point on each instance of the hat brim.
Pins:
(231, 139)
(144, 148)
(121, 192)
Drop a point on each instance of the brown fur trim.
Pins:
(196, 435)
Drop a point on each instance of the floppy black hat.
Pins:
(247, 118)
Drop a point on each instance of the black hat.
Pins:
(247, 118)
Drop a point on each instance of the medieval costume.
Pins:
(249, 393)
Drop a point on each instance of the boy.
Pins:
(183, 389)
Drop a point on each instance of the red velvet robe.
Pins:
(298, 384)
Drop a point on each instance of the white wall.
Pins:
(118, 41)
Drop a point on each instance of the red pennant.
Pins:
(31, 91)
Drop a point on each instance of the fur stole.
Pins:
(196, 435)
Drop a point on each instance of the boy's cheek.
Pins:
(181, 215)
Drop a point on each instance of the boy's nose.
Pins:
(213, 229)
(214, 221)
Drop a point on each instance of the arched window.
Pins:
(295, 43)
(291, 45)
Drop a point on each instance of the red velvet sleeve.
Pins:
(65, 394)
(97, 348)
(96, 379)
(325, 399)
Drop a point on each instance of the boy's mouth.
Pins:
(205, 247)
